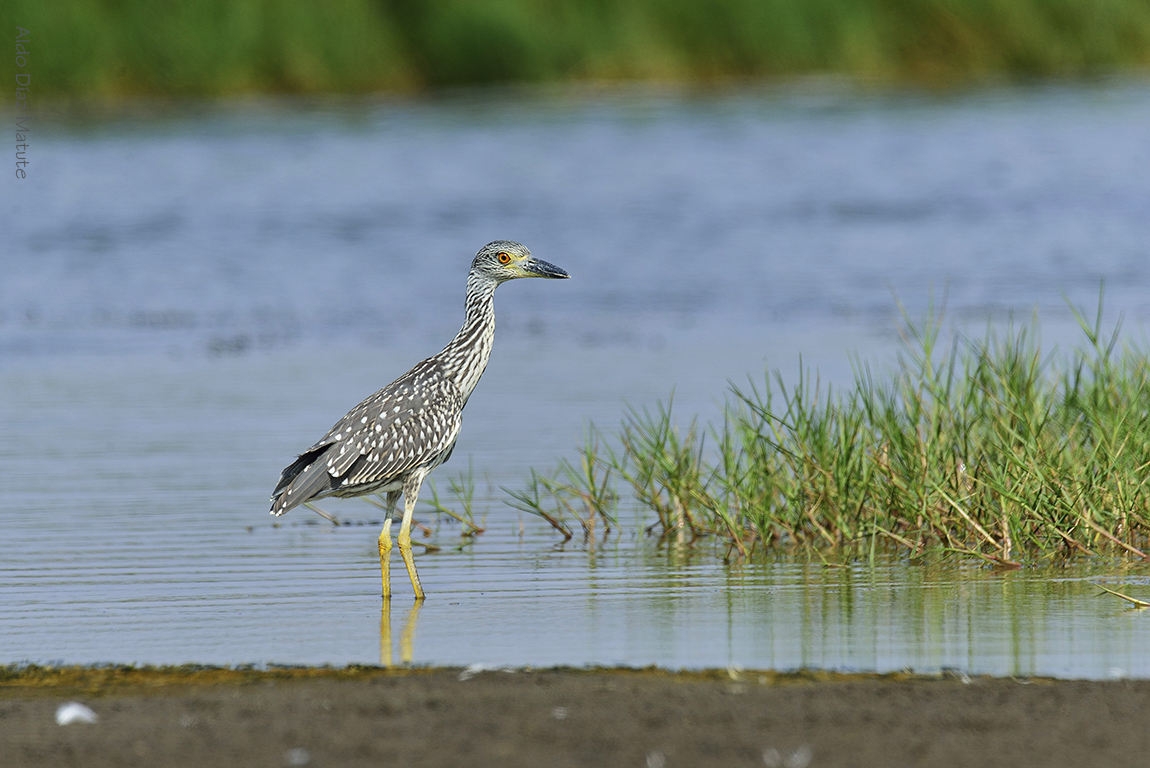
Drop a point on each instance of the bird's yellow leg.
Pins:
(410, 495)
(385, 544)
(385, 557)
(404, 542)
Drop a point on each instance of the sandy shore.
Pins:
(452, 717)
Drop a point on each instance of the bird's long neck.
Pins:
(465, 357)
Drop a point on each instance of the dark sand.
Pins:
(374, 717)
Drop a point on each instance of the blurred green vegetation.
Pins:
(112, 47)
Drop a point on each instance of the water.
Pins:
(192, 294)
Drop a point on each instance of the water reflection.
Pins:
(305, 593)
(406, 637)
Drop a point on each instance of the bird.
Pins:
(392, 440)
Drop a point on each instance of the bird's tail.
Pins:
(304, 479)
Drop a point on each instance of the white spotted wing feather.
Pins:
(411, 423)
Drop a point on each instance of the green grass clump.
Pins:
(111, 47)
(987, 448)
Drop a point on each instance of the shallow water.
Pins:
(191, 295)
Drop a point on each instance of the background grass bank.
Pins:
(213, 47)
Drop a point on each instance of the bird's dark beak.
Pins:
(537, 268)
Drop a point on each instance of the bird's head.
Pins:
(506, 260)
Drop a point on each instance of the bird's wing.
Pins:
(385, 436)
(409, 423)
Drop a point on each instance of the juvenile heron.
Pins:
(393, 439)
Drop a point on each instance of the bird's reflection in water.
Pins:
(406, 639)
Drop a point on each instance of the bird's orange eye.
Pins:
(504, 258)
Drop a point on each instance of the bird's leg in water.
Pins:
(410, 496)
(385, 543)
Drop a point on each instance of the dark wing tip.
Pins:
(302, 480)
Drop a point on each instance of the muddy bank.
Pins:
(453, 717)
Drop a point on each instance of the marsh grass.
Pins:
(985, 448)
(1139, 604)
(583, 492)
(86, 47)
(462, 490)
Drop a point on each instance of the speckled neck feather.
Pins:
(465, 357)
